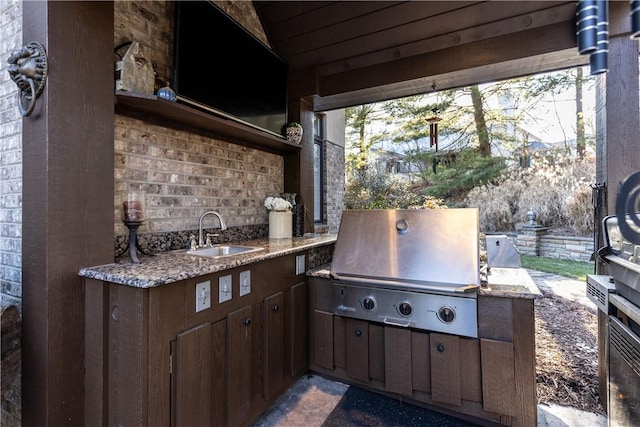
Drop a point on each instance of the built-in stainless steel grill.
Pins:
(411, 268)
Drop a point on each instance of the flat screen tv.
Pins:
(220, 67)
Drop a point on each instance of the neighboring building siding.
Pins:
(10, 187)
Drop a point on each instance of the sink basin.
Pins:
(219, 251)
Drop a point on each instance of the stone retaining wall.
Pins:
(540, 243)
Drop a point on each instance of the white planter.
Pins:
(280, 225)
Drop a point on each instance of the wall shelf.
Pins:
(182, 117)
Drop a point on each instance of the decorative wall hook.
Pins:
(28, 68)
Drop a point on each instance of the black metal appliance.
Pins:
(409, 268)
(618, 296)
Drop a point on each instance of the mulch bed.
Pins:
(567, 353)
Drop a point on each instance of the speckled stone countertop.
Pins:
(502, 282)
(172, 266)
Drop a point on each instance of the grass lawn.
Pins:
(563, 267)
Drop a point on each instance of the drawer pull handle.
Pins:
(246, 322)
(275, 307)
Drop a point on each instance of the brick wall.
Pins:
(10, 187)
(334, 185)
(185, 174)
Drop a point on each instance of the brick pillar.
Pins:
(528, 241)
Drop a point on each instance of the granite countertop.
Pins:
(502, 282)
(173, 266)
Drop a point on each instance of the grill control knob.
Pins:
(368, 303)
(405, 309)
(446, 314)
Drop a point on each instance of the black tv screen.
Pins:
(221, 67)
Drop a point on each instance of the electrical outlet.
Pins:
(224, 288)
(245, 282)
(300, 267)
(203, 296)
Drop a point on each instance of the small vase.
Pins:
(280, 225)
(294, 134)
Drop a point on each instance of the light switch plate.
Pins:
(224, 288)
(203, 296)
(300, 265)
(245, 282)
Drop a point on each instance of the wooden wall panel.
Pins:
(421, 361)
(376, 352)
(498, 377)
(323, 339)
(470, 370)
(397, 351)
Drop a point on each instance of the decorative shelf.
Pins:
(182, 117)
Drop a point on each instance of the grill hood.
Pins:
(432, 248)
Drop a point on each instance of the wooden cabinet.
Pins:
(273, 347)
(490, 378)
(240, 331)
(222, 366)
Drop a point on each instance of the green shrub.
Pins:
(370, 189)
(467, 171)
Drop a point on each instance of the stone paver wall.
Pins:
(552, 246)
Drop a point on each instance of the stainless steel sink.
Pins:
(219, 251)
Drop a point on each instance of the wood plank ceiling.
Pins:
(352, 52)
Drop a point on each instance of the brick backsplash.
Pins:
(184, 175)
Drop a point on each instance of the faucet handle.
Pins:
(208, 241)
(193, 245)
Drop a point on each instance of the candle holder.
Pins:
(133, 215)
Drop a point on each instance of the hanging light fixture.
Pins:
(598, 60)
(592, 31)
(587, 26)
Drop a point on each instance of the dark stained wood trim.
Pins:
(524, 345)
(182, 117)
(67, 201)
(549, 38)
(428, 32)
(447, 80)
(622, 123)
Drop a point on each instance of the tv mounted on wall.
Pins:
(222, 68)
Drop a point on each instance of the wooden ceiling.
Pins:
(352, 52)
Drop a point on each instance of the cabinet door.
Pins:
(297, 329)
(197, 377)
(445, 369)
(239, 335)
(357, 349)
(192, 377)
(273, 350)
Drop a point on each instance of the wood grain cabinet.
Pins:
(491, 377)
(154, 360)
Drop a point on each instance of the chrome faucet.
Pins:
(223, 227)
